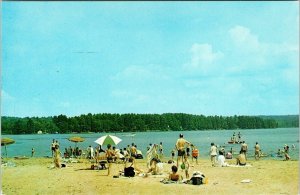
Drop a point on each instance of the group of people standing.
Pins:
(217, 156)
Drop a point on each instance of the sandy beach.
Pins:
(35, 176)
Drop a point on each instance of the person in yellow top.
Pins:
(180, 146)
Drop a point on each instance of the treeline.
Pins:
(285, 120)
(130, 123)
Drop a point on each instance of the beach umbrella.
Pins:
(108, 139)
(6, 141)
(76, 140)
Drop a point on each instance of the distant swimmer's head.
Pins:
(180, 135)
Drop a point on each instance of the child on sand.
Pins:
(173, 154)
(185, 166)
(174, 176)
(195, 153)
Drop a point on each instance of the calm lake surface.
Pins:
(270, 141)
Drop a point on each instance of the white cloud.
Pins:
(6, 96)
(203, 59)
(250, 55)
(242, 37)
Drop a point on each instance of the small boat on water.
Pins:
(128, 134)
(234, 142)
(21, 157)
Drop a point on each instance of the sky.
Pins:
(210, 58)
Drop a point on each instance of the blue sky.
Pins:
(211, 58)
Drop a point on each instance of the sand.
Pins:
(33, 176)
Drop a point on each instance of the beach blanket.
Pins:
(167, 181)
(158, 176)
(70, 160)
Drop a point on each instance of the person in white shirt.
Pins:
(221, 160)
(213, 154)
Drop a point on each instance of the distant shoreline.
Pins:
(133, 132)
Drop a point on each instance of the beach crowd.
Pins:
(155, 158)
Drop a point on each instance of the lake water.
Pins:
(270, 141)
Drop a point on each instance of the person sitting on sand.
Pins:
(126, 154)
(130, 168)
(244, 148)
(228, 155)
(221, 160)
(174, 176)
(241, 159)
(156, 167)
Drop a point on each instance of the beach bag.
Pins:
(197, 178)
(129, 172)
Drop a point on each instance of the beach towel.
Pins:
(167, 181)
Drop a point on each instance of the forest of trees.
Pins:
(131, 122)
